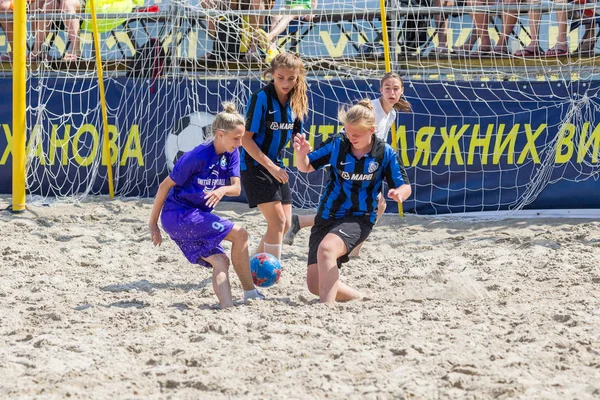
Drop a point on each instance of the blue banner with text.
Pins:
(467, 146)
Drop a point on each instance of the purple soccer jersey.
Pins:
(185, 216)
(198, 172)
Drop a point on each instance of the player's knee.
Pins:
(327, 250)
(278, 222)
(220, 263)
(239, 234)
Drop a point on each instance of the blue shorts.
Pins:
(197, 233)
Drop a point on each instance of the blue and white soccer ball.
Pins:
(265, 269)
(188, 132)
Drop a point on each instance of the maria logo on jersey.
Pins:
(281, 125)
(223, 162)
(355, 177)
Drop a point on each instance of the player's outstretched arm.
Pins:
(400, 194)
(302, 148)
(159, 201)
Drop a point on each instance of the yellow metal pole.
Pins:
(106, 143)
(19, 120)
(388, 68)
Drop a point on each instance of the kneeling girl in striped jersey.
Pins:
(186, 198)
(360, 161)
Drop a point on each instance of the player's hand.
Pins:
(214, 196)
(301, 145)
(155, 234)
(394, 194)
(279, 174)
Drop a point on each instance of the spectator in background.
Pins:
(38, 26)
(509, 19)
(441, 24)
(72, 27)
(587, 44)
(6, 7)
(533, 49)
(257, 35)
(481, 22)
(561, 47)
(279, 23)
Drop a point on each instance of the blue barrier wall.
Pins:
(468, 146)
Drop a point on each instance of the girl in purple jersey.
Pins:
(189, 194)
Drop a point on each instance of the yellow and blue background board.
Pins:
(460, 154)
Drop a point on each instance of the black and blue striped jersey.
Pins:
(355, 183)
(272, 124)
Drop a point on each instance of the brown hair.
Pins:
(298, 96)
(228, 119)
(362, 114)
(401, 104)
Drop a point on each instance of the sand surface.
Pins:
(456, 309)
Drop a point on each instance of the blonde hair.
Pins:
(227, 119)
(361, 114)
(298, 96)
(401, 104)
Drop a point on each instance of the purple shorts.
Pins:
(197, 233)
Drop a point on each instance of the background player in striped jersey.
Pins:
(189, 194)
(360, 161)
(385, 107)
(274, 115)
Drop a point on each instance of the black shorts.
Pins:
(260, 187)
(352, 231)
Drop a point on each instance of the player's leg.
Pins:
(326, 273)
(274, 214)
(325, 249)
(298, 222)
(240, 259)
(220, 278)
(381, 206)
(199, 236)
(344, 292)
(287, 210)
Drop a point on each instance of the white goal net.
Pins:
(504, 102)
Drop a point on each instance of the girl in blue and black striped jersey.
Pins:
(385, 108)
(273, 116)
(360, 161)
